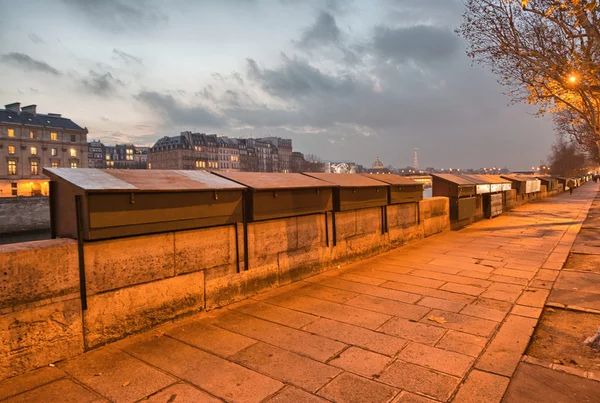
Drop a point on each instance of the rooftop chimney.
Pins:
(29, 109)
(14, 107)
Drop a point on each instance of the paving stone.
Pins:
(210, 338)
(407, 397)
(300, 342)
(106, 369)
(543, 284)
(358, 336)
(326, 293)
(463, 323)
(295, 395)
(413, 331)
(430, 292)
(182, 393)
(388, 306)
(495, 304)
(508, 345)
(507, 279)
(64, 390)
(417, 379)
(463, 289)
(353, 388)
(526, 311)
(484, 313)
(361, 279)
(463, 343)
(361, 361)
(372, 290)
(514, 273)
(500, 295)
(217, 376)
(451, 278)
(535, 384)
(29, 380)
(452, 306)
(286, 366)
(331, 310)
(549, 275)
(580, 281)
(435, 358)
(475, 274)
(482, 387)
(504, 287)
(273, 313)
(575, 298)
(401, 278)
(533, 297)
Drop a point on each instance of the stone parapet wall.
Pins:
(136, 283)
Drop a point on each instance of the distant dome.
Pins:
(377, 163)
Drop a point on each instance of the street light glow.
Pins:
(573, 79)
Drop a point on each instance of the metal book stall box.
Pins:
(353, 192)
(280, 195)
(483, 188)
(461, 191)
(524, 184)
(402, 189)
(563, 181)
(93, 204)
(493, 201)
(550, 182)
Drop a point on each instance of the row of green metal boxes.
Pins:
(470, 193)
(92, 204)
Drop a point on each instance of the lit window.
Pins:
(11, 132)
(33, 150)
(12, 167)
(149, 165)
(32, 135)
(129, 151)
(73, 152)
(34, 167)
(54, 164)
(54, 152)
(11, 149)
(130, 158)
(108, 157)
(53, 136)
(73, 164)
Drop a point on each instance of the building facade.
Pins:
(219, 153)
(31, 141)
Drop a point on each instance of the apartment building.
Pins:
(30, 141)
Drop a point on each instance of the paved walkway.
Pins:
(446, 318)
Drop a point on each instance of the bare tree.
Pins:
(565, 158)
(547, 52)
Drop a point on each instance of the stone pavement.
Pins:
(577, 288)
(446, 318)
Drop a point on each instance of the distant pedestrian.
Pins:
(571, 185)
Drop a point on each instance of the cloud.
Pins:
(323, 32)
(35, 39)
(26, 62)
(297, 78)
(101, 84)
(127, 58)
(176, 114)
(120, 15)
(421, 44)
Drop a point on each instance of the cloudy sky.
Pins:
(346, 80)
